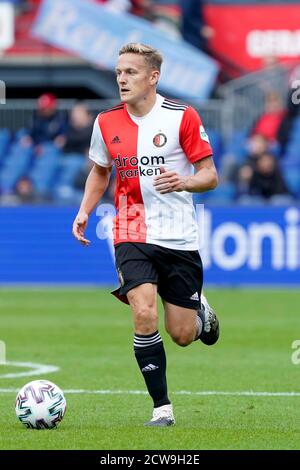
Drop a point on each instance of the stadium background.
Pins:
(55, 292)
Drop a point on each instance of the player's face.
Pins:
(134, 78)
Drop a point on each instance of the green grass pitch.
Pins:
(88, 335)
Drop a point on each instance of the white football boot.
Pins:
(210, 324)
(162, 416)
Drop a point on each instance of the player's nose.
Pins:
(122, 78)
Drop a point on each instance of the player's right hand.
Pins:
(79, 226)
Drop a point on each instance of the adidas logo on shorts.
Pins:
(195, 296)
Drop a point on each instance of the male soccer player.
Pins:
(155, 144)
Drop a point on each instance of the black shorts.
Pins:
(177, 273)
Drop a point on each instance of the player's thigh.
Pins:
(180, 278)
(144, 295)
(143, 303)
(134, 266)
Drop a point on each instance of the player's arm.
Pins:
(195, 144)
(95, 187)
(96, 182)
(205, 179)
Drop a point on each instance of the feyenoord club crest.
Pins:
(160, 140)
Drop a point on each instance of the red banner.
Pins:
(246, 35)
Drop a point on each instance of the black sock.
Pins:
(150, 355)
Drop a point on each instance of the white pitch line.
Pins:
(245, 393)
(36, 369)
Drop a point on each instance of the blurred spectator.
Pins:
(79, 131)
(193, 27)
(244, 175)
(293, 108)
(23, 194)
(48, 123)
(268, 124)
(256, 145)
(24, 191)
(265, 181)
(80, 178)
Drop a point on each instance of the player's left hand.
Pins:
(169, 182)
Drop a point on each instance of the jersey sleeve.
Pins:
(98, 151)
(192, 136)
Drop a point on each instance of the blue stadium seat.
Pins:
(225, 193)
(295, 132)
(292, 179)
(69, 166)
(14, 167)
(236, 145)
(216, 143)
(4, 143)
(20, 133)
(293, 149)
(290, 161)
(45, 169)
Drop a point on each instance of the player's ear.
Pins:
(154, 77)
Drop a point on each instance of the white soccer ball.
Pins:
(40, 404)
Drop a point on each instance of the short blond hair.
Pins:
(152, 56)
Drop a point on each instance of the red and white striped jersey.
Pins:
(172, 136)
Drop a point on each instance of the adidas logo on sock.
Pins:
(115, 140)
(149, 367)
(195, 296)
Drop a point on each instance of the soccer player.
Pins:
(162, 154)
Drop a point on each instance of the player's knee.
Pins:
(182, 337)
(145, 319)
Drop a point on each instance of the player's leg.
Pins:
(186, 325)
(188, 315)
(149, 351)
(182, 324)
(138, 278)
